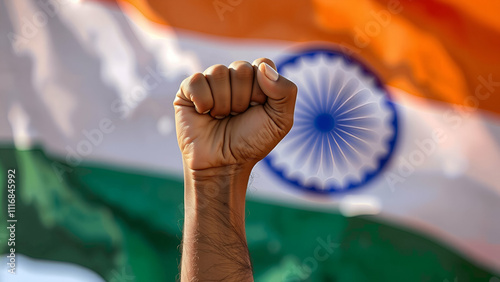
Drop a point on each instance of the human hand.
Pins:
(233, 116)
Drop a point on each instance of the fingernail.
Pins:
(206, 112)
(270, 72)
(234, 113)
(254, 103)
(220, 117)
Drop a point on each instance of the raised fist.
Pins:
(233, 115)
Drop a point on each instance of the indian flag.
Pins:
(390, 172)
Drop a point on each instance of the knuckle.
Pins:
(194, 79)
(264, 60)
(235, 64)
(291, 87)
(243, 70)
(185, 82)
(218, 72)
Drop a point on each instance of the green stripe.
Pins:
(116, 221)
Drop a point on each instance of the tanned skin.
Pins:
(227, 119)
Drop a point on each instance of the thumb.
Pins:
(281, 92)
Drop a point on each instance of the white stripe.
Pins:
(27, 269)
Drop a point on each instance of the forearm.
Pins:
(214, 242)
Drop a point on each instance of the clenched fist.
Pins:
(227, 119)
(233, 116)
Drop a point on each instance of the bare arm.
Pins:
(215, 245)
(221, 138)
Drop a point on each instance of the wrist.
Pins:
(230, 172)
(222, 189)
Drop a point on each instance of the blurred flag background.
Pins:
(389, 174)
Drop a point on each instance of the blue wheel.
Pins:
(345, 126)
